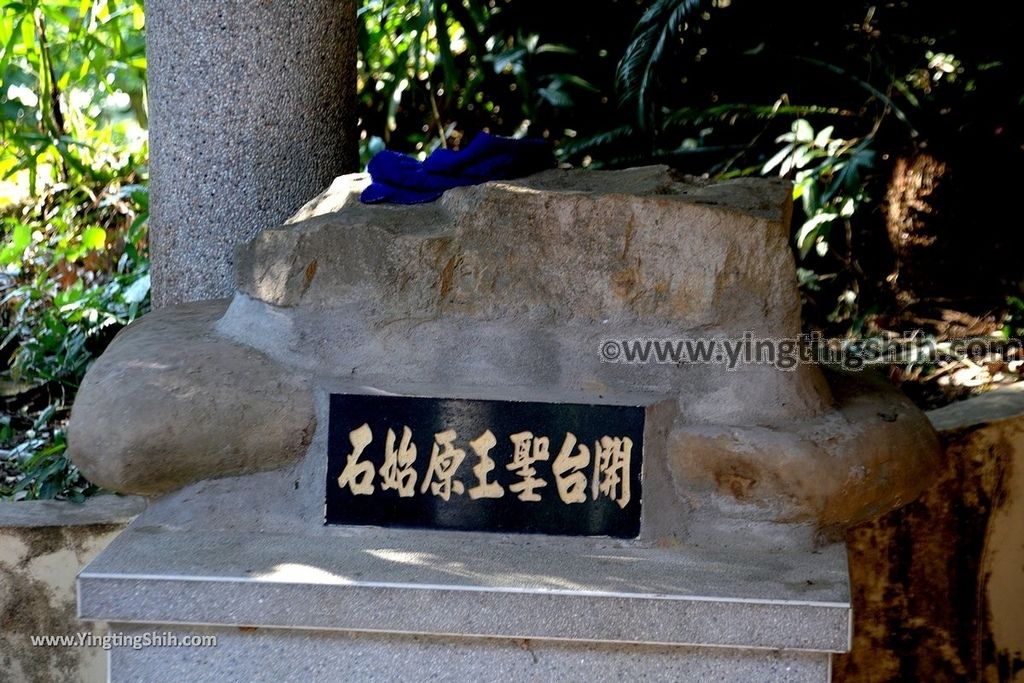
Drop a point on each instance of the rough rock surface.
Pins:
(170, 402)
(875, 452)
(518, 284)
(636, 245)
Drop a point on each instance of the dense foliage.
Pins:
(74, 218)
(900, 124)
(892, 119)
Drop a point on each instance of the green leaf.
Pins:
(556, 96)
(138, 290)
(555, 48)
(803, 130)
(621, 135)
(9, 45)
(777, 160)
(94, 238)
(810, 230)
(20, 239)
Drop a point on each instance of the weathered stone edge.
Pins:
(101, 509)
(997, 405)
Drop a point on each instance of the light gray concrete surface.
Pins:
(274, 655)
(250, 114)
(456, 583)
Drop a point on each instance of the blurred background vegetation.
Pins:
(901, 125)
(73, 207)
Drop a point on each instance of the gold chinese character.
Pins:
(484, 489)
(571, 482)
(526, 451)
(358, 475)
(443, 465)
(397, 471)
(611, 468)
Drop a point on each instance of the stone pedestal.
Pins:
(249, 114)
(504, 291)
(370, 604)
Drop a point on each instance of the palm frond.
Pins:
(657, 29)
(881, 96)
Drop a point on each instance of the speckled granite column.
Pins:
(251, 113)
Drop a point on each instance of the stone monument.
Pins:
(402, 448)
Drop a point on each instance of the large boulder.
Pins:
(171, 402)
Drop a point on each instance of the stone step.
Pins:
(474, 585)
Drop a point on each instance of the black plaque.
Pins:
(509, 466)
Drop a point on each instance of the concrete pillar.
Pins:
(251, 109)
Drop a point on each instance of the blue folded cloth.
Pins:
(401, 179)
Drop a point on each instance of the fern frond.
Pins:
(657, 29)
(695, 116)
